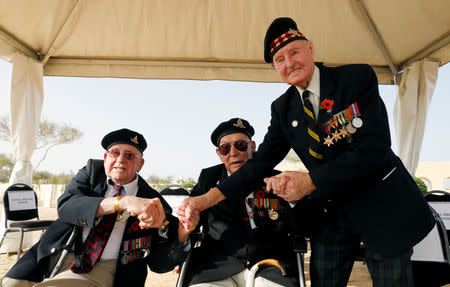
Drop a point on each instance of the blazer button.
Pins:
(53, 250)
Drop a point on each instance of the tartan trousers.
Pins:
(333, 251)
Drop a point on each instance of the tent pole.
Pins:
(61, 31)
(376, 36)
(444, 41)
(18, 45)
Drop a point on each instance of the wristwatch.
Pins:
(164, 226)
(116, 203)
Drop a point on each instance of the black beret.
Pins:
(284, 31)
(235, 125)
(124, 136)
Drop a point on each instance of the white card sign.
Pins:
(443, 209)
(429, 249)
(21, 200)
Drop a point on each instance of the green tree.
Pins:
(6, 166)
(189, 183)
(45, 177)
(422, 186)
(50, 135)
(41, 176)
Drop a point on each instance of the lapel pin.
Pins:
(294, 123)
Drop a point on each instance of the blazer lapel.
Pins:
(327, 88)
(101, 186)
(296, 124)
(223, 175)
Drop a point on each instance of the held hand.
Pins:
(276, 183)
(191, 205)
(291, 185)
(185, 229)
(149, 211)
(187, 210)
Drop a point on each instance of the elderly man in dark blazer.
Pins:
(239, 235)
(119, 223)
(335, 120)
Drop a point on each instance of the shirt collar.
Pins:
(314, 85)
(129, 186)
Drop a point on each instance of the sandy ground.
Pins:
(359, 278)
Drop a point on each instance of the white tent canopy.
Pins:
(215, 39)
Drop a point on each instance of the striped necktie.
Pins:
(315, 146)
(96, 241)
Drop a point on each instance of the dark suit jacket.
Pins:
(386, 209)
(77, 208)
(230, 245)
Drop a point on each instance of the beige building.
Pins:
(435, 174)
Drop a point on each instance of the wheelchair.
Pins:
(299, 248)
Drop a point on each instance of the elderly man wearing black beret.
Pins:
(335, 120)
(119, 223)
(239, 235)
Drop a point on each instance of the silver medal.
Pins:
(350, 128)
(146, 252)
(357, 122)
(124, 259)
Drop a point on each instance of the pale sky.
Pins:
(177, 118)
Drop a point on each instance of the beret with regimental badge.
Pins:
(124, 136)
(281, 32)
(235, 125)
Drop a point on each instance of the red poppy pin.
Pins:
(259, 193)
(327, 105)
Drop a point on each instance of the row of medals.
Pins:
(131, 256)
(345, 131)
(273, 214)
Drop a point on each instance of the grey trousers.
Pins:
(238, 280)
(101, 275)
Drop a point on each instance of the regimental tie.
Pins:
(315, 146)
(96, 241)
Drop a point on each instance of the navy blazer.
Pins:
(77, 208)
(364, 177)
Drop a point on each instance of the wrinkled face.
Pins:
(295, 63)
(236, 158)
(122, 163)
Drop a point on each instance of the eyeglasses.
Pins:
(240, 145)
(126, 154)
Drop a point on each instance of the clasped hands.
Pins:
(150, 213)
(289, 185)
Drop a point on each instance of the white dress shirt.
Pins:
(112, 247)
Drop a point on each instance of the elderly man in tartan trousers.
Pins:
(335, 120)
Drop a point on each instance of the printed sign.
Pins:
(429, 249)
(443, 209)
(21, 200)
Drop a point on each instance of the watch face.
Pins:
(350, 128)
(357, 123)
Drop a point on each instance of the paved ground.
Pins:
(359, 277)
